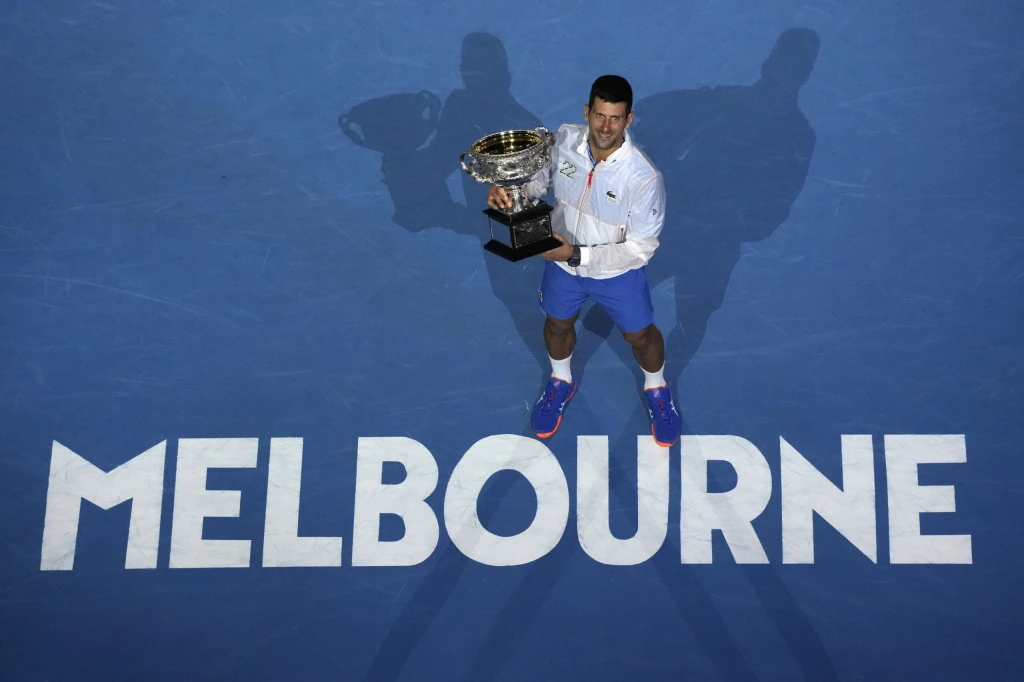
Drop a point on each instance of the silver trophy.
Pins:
(509, 159)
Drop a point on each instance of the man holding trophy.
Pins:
(597, 238)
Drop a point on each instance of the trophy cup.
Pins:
(509, 159)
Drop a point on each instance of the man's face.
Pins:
(607, 121)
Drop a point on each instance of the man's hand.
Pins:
(497, 197)
(560, 253)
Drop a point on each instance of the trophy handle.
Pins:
(472, 163)
(548, 136)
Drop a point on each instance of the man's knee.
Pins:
(560, 327)
(640, 338)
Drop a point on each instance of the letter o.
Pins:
(484, 459)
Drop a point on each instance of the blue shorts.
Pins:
(626, 298)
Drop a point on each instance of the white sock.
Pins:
(654, 379)
(560, 369)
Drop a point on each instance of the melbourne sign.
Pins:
(848, 506)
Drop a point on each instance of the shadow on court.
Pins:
(734, 159)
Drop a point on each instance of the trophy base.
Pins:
(529, 232)
(514, 255)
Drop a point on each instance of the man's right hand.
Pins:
(497, 197)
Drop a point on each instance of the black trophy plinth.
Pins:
(519, 235)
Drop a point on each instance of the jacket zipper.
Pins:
(583, 201)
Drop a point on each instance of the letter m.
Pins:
(73, 479)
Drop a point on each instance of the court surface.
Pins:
(242, 271)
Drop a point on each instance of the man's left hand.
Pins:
(559, 253)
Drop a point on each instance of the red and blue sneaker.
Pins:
(547, 413)
(665, 420)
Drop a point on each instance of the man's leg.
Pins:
(627, 300)
(561, 297)
(560, 339)
(649, 350)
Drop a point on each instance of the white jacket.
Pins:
(614, 210)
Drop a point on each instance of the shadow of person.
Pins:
(734, 159)
(416, 164)
(420, 141)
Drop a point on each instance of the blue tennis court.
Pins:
(265, 397)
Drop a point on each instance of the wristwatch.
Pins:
(575, 258)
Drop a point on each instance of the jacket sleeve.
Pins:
(643, 226)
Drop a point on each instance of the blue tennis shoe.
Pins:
(547, 413)
(665, 420)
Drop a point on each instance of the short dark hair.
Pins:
(612, 89)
